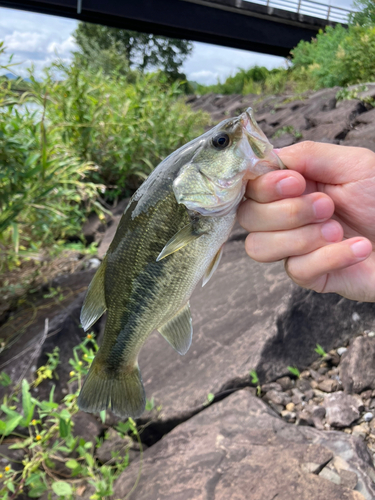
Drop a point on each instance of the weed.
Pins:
(51, 439)
(255, 381)
(319, 350)
(294, 371)
(288, 129)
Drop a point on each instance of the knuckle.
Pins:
(296, 273)
(293, 212)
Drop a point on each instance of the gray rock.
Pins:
(341, 409)
(273, 386)
(86, 426)
(357, 368)
(279, 398)
(328, 385)
(286, 383)
(368, 416)
(341, 350)
(223, 452)
(115, 447)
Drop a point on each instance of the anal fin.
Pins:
(212, 267)
(178, 331)
(94, 305)
(182, 238)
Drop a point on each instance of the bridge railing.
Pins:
(309, 8)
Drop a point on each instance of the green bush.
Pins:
(74, 136)
(124, 127)
(50, 442)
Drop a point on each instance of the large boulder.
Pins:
(239, 449)
(250, 316)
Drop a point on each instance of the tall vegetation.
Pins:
(77, 136)
(137, 50)
(336, 56)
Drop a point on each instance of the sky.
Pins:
(35, 39)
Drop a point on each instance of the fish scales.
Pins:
(170, 236)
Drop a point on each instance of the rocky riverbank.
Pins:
(230, 420)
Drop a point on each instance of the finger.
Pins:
(312, 270)
(270, 247)
(285, 214)
(328, 163)
(275, 186)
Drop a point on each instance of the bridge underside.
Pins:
(233, 23)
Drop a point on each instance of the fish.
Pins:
(170, 236)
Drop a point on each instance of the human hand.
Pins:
(319, 215)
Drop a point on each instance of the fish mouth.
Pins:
(256, 148)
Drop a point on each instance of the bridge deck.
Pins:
(233, 23)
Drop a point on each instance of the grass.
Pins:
(50, 440)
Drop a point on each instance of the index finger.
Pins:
(328, 163)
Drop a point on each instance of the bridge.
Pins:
(267, 26)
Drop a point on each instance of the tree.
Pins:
(366, 14)
(142, 50)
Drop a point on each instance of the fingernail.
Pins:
(288, 186)
(331, 231)
(322, 209)
(360, 249)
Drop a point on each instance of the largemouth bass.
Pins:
(170, 237)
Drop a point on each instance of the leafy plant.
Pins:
(319, 350)
(51, 440)
(294, 371)
(255, 381)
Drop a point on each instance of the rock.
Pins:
(289, 416)
(222, 452)
(303, 385)
(297, 397)
(316, 375)
(361, 430)
(285, 383)
(348, 478)
(273, 386)
(304, 418)
(330, 475)
(341, 409)
(279, 398)
(357, 368)
(11, 457)
(341, 350)
(115, 447)
(331, 133)
(86, 426)
(290, 407)
(64, 331)
(361, 137)
(367, 417)
(328, 385)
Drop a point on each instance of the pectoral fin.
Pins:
(212, 267)
(179, 330)
(182, 238)
(94, 304)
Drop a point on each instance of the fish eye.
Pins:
(221, 140)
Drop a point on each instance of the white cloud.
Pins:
(210, 62)
(25, 42)
(63, 49)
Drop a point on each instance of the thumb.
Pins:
(327, 163)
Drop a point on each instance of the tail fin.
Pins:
(122, 392)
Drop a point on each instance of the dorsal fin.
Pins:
(94, 305)
(179, 330)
